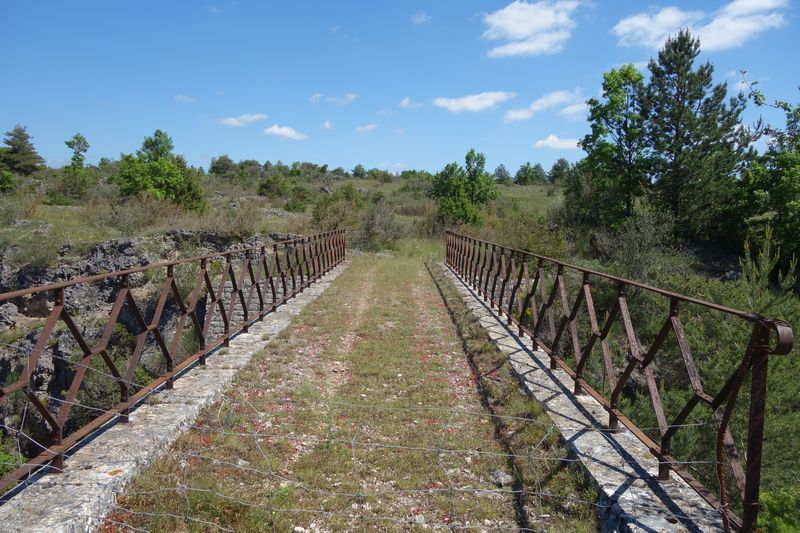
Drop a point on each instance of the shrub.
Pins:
(275, 185)
(162, 178)
(70, 186)
(9, 458)
(781, 511)
(642, 247)
(299, 199)
(429, 223)
(523, 230)
(240, 222)
(338, 210)
(19, 206)
(379, 228)
(134, 214)
(7, 182)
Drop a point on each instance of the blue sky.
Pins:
(385, 83)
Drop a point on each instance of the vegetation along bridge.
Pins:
(284, 388)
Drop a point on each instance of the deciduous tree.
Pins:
(461, 192)
(79, 146)
(616, 146)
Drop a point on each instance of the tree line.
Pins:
(676, 144)
(156, 171)
(534, 174)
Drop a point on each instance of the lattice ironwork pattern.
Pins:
(584, 321)
(199, 304)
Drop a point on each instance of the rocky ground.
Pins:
(22, 319)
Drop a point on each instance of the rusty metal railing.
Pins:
(212, 298)
(533, 292)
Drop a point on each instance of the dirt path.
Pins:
(363, 416)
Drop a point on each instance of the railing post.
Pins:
(462, 255)
(58, 431)
(281, 274)
(447, 248)
(315, 256)
(755, 428)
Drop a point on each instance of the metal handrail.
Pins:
(487, 266)
(267, 278)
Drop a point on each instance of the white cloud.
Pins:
(343, 100)
(732, 25)
(347, 98)
(420, 17)
(285, 132)
(474, 102)
(554, 142)
(366, 128)
(549, 100)
(408, 103)
(327, 125)
(531, 28)
(184, 99)
(575, 111)
(242, 120)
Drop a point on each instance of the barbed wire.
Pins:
(318, 440)
(372, 405)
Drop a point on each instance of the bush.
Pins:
(299, 199)
(275, 185)
(240, 222)
(429, 223)
(642, 247)
(162, 178)
(19, 206)
(70, 186)
(781, 511)
(134, 214)
(379, 228)
(523, 230)
(338, 210)
(7, 182)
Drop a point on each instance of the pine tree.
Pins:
(502, 175)
(20, 156)
(696, 143)
(530, 174)
(159, 146)
(560, 171)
